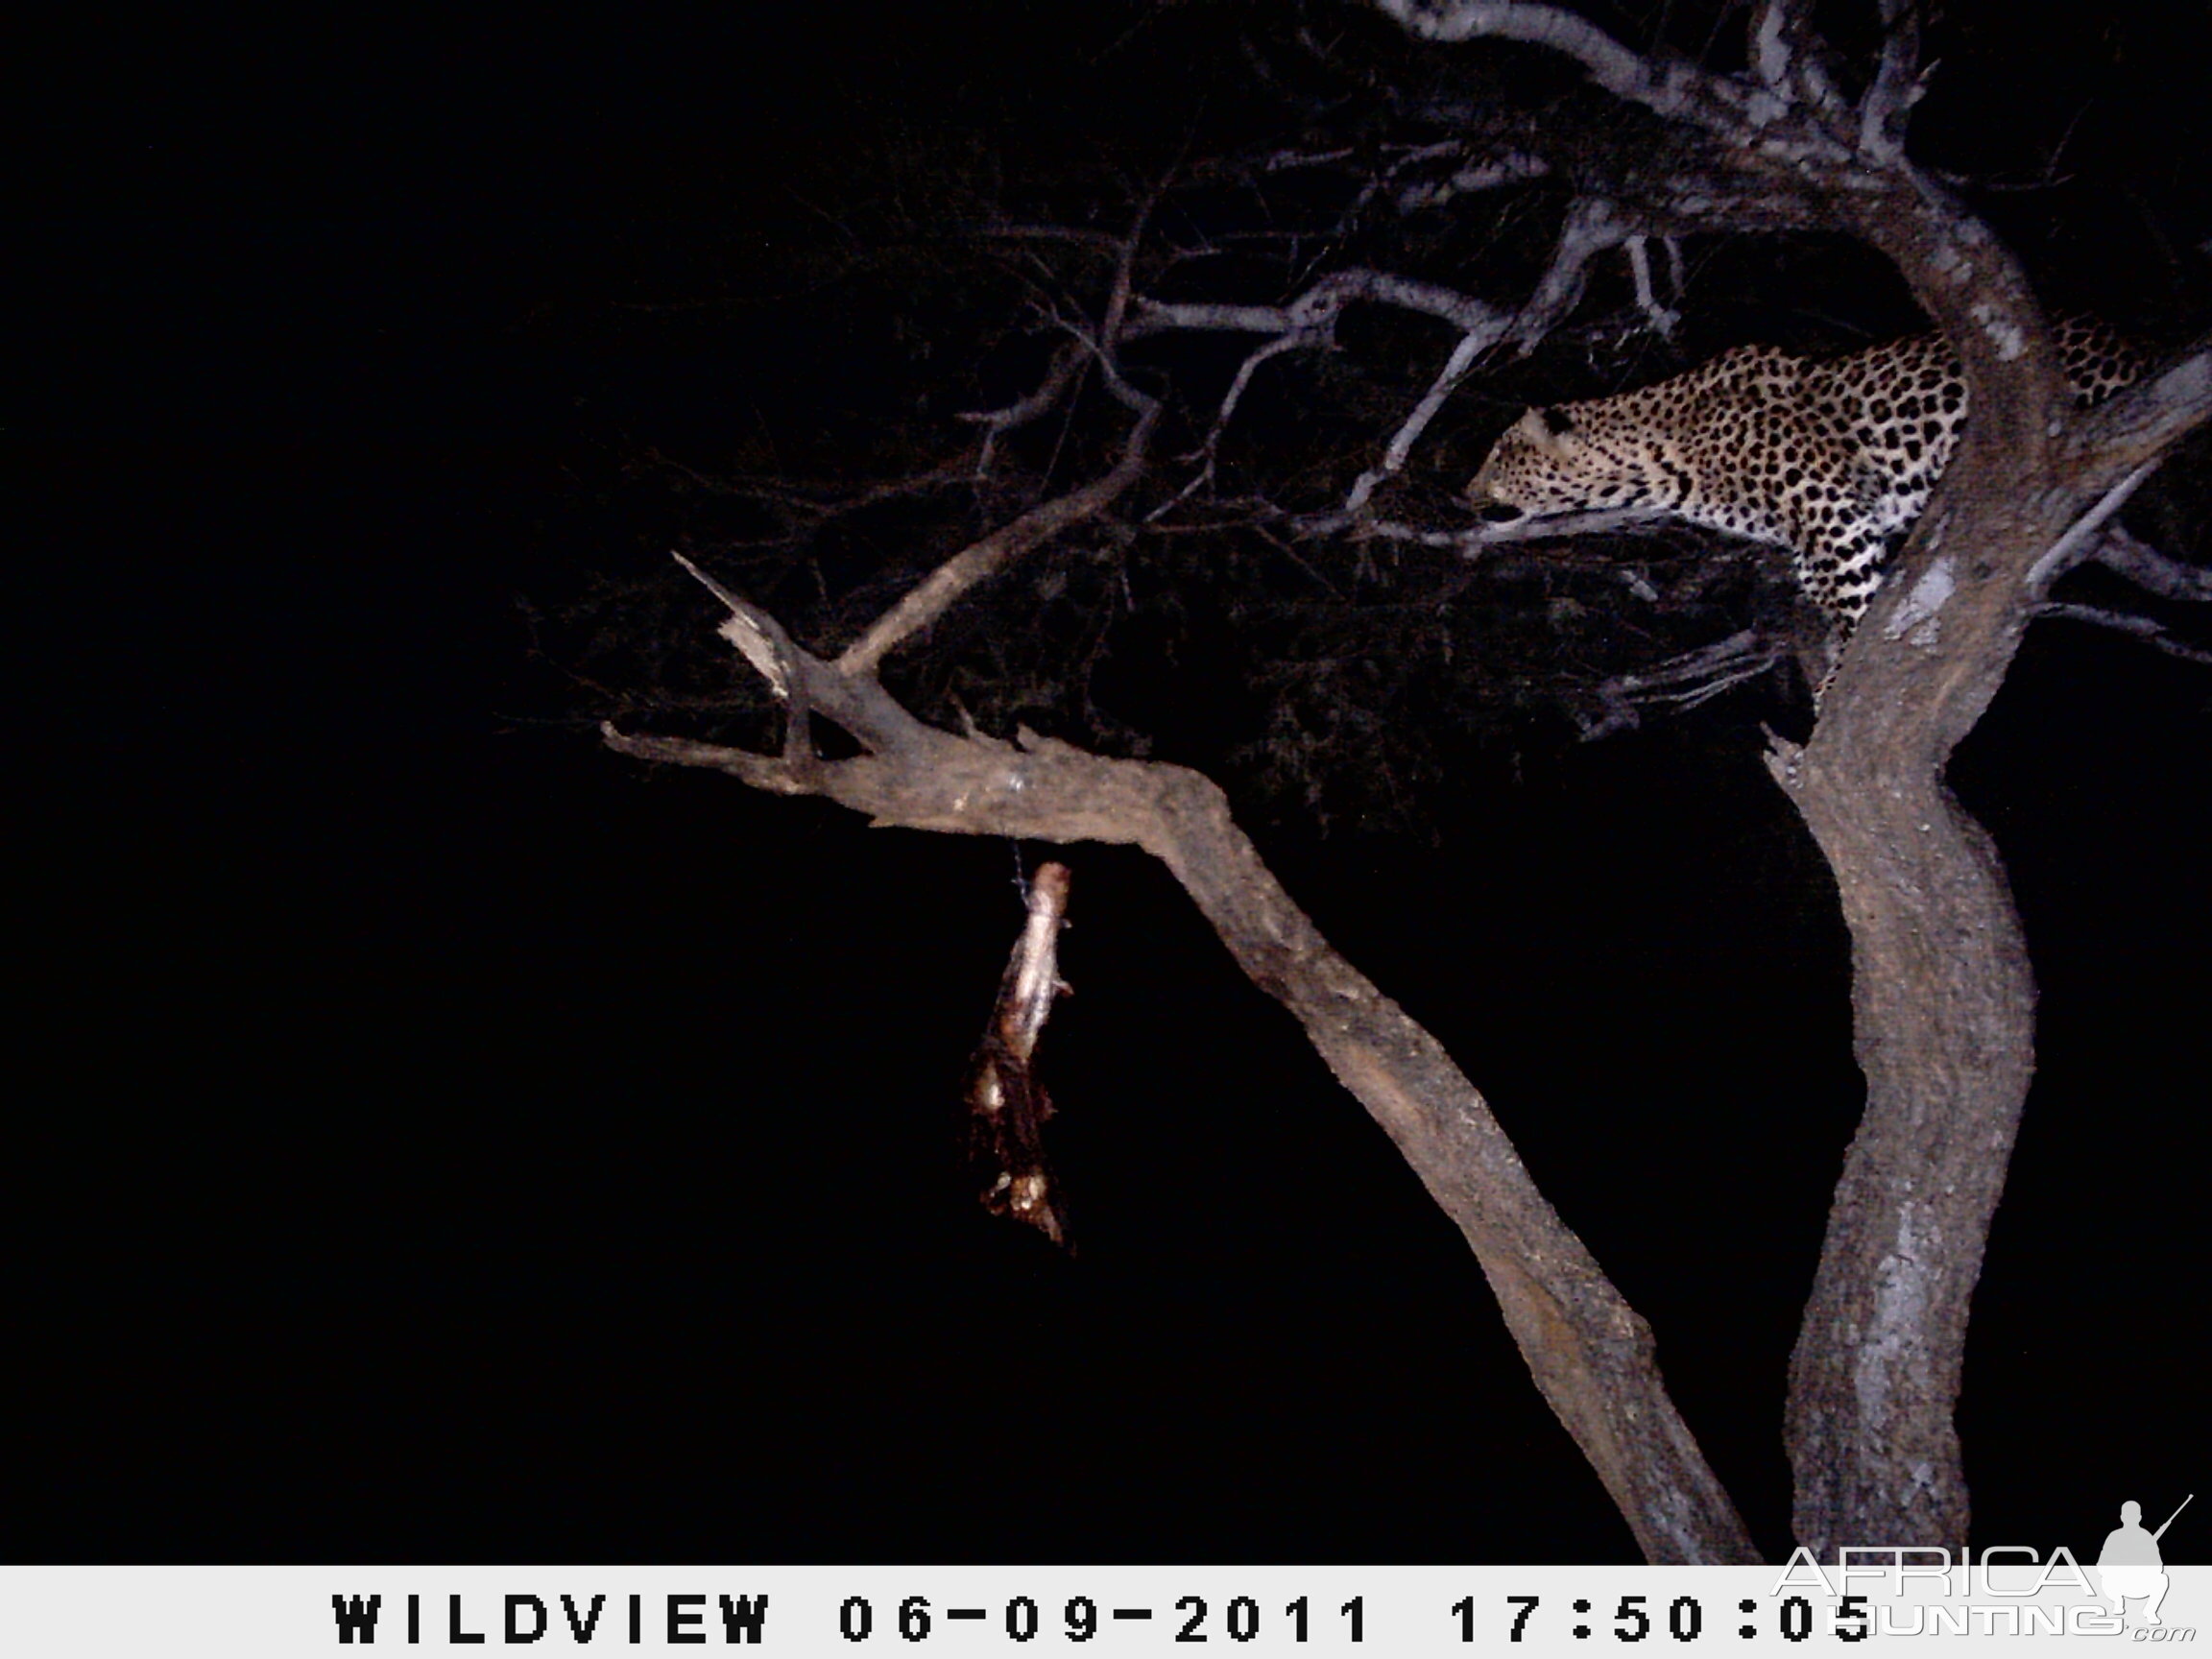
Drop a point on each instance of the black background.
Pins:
(436, 1138)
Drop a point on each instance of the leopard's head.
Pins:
(1547, 464)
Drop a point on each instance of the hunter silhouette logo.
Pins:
(2129, 1566)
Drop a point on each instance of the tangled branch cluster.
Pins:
(1221, 418)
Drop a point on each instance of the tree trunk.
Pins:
(1943, 1002)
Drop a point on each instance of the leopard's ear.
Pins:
(1542, 428)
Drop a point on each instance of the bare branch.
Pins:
(1066, 364)
(776, 776)
(2071, 548)
(1471, 346)
(1688, 681)
(2142, 628)
(2142, 423)
(1897, 87)
(1310, 321)
(1787, 57)
(1663, 319)
(1388, 530)
(981, 560)
(756, 634)
(1382, 181)
(1590, 1354)
(804, 684)
(1776, 25)
(1614, 67)
(1077, 233)
(1545, 527)
(1432, 298)
(815, 502)
(1592, 226)
(2150, 570)
(1124, 279)
(1509, 167)
(1154, 317)
(1314, 312)
(1290, 342)
(1295, 160)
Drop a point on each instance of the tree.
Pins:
(1455, 140)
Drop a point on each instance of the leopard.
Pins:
(1832, 459)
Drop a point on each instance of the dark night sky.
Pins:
(442, 1139)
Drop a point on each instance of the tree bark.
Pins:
(1943, 1010)
(1943, 999)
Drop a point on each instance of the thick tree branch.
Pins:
(1943, 1000)
(1671, 91)
(2122, 554)
(1599, 521)
(1943, 995)
(1776, 26)
(1664, 320)
(1790, 61)
(2139, 426)
(1492, 173)
(1589, 1353)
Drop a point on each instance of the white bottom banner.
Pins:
(2005, 1595)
